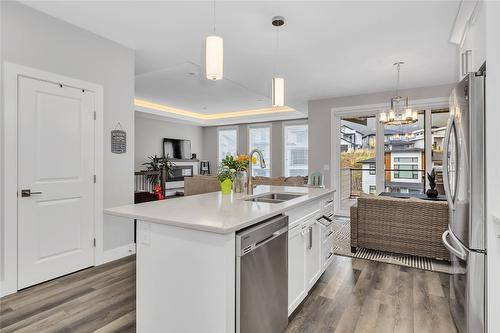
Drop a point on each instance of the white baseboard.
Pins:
(117, 253)
(6, 289)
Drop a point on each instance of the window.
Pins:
(406, 171)
(260, 137)
(405, 159)
(227, 142)
(296, 149)
(373, 171)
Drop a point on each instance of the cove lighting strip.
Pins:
(201, 116)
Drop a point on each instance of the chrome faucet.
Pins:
(262, 165)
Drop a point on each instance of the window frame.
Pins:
(373, 169)
(226, 128)
(270, 127)
(286, 124)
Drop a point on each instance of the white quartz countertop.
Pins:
(215, 212)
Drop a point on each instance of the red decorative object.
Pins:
(158, 191)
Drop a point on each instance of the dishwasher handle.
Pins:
(276, 234)
(251, 238)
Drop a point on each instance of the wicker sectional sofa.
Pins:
(407, 226)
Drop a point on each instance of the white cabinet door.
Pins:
(296, 267)
(473, 48)
(313, 253)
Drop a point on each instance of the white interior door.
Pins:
(56, 163)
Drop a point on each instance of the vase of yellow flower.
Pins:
(240, 164)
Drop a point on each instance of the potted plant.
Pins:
(225, 177)
(240, 165)
(432, 192)
(163, 165)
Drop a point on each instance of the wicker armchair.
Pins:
(407, 226)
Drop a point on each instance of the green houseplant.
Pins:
(240, 164)
(162, 164)
(225, 177)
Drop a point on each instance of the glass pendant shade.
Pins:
(214, 58)
(383, 117)
(408, 114)
(414, 116)
(278, 91)
(392, 115)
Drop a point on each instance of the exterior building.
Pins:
(350, 139)
(404, 162)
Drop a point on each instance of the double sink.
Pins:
(274, 197)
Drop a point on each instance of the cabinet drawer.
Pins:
(328, 255)
(302, 213)
(327, 233)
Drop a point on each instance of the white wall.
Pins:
(33, 39)
(493, 161)
(320, 119)
(150, 131)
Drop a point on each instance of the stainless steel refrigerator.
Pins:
(464, 182)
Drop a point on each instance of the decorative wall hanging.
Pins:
(118, 140)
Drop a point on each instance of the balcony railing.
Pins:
(355, 181)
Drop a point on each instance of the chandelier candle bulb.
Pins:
(408, 114)
(214, 57)
(383, 117)
(392, 115)
(415, 115)
(278, 92)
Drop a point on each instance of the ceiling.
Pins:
(327, 48)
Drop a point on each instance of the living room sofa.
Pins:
(199, 184)
(407, 226)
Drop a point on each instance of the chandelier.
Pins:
(400, 112)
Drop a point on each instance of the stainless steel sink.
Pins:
(274, 197)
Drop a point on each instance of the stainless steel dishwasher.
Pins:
(262, 277)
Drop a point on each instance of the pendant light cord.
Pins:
(215, 21)
(397, 85)
(277, 51)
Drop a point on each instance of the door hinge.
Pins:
(94, 242)
(95, 179)
(95, 115)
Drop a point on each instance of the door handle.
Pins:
(460, 254)
(310, 238)
(28, 193)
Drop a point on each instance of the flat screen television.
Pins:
(177, 148)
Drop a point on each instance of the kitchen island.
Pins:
(186, 254)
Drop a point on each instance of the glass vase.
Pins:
(239, 181)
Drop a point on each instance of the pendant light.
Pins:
(214, 55)
(397, 114)
(278, 83)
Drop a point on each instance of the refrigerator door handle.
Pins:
(446, 182)
(459, 253)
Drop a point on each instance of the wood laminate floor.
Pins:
(354, 295)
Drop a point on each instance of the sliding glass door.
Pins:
(358, 166)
